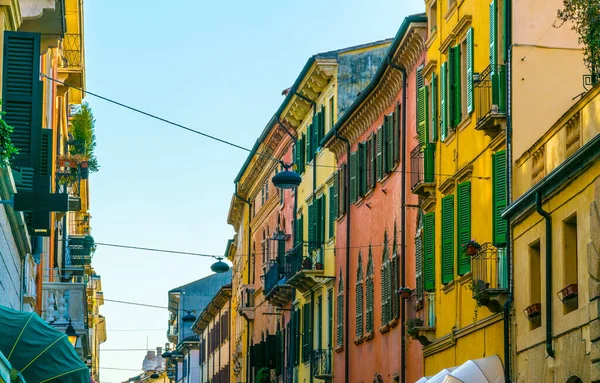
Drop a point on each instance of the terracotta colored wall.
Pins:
(368, 224)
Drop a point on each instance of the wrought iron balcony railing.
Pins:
(489, 90)
(490, 276)
(275, 274)
(299, 259)
(420, 315)
(71, 53)
(322, 363)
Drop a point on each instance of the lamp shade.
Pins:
(154, 376)
(189, 317)
(71, 334)
(166, 354)
(286, 180)
(219, 267)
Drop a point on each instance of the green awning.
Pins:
(38, 351)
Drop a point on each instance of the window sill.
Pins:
(464, 123)
(464, 278)
(451, 11)
(393, 323)
(385, 328)
(369, 336)
(358, 341)
(448, 287)
(431, 39)
(450, 137)
(339, 348)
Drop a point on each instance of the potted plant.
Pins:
(306, 263)
(412, 324)
(533, 311)
(263, 375)
(405, 292)
(471, 248)
(568, 292)
(318, 266)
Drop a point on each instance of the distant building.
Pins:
(154, 368)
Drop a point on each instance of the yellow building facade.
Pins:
(461, 127)
(555, 223)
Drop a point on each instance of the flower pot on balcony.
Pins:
(472, 250)
(307, 263)
(568, 292)
(318, 266)
(533, 311)
(405, 292)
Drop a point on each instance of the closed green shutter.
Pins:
(396, 140)
(332, 207)
(301, 229)
(464, 225)
(420, 83)
(451, 90)
(22, 96)
(353, 176)
(316, 133)
(343, 189)
(46, 153)
(335, 205)
(305, 332)
(339, 330)
(373, 161)
(500, 226)
(321, 119)
(455, 90)
(362, 169)
(447, 239)
(312, 221)
(379, 157)
(443, 103)
(422, 117)
(470, 70)
(493, 48)
(322, 223)
(434, 117)
(389, 142)
(429, 163)
(297, 337)
(300, 158)
(428, 251)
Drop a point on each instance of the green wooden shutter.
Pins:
(396, 140)
(389, 143)
(297, 336)
(316, 131)
(455, 87)
(353, 176)
(429, 251)
(470, 70)
(343, 190)
(499, 180)
(301, 229)
(447, 239)
(493, 48)
(379, 157)
(464, 225)
(46, 153)
(321, 125)
(373, 161)
(309, 145)
(451, 86)
(359, 309)
(323, 218)
(422, 117)
(300, 160)
(312, 219)
(332, 207)
(443, 103)
(429, 163)
(419, 260)
(339, 336)
(305, 331)
(335, 206)
(362, 168)
(419, 84)
(22, 96)
(434, 117)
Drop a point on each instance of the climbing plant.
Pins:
(585, 16)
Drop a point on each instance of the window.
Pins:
(359, 297)
(315, 133)
(570, 275)
(535, 280)
(353, 177)
(386, 293)
(306, 332)
(428, 251)
(464, 225)
(316, 223)
(319, 322)
(463, 75)
(332, 209)
(447, 239)
(443, 102)
(379, 153)
(454, 86)
(362, 169)
(329, 318)
(432, 18)
(296, 326)
(422, 109)
(395, 270)
(371, 154)
(433, 113)
(299, 230)
(340, 313)
(331, 112)
(342, 194)
(300, 154)
(370, 293)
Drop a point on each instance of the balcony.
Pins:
(422, 173)
(322, 364)
(490, 277)
(246, 302)
(79, 224)
(80, 249)
(420, 323)
(64, 300)
(277, 291)
(302, 269)
(172, 333)
(490, 100)
(71, 59)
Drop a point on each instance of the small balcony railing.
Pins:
(420, 315)
(490, 276)
(422, 165)
(71, 53)
(274, 274)
(299, 259)
(80, 249)
(64, 298)
(80, 224)
(489, 91)
(322, 363)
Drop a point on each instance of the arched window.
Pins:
(370, 293)
(574, 379)
(359, 297)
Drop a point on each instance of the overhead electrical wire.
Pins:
(209, 136)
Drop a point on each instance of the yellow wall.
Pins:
(464, 147)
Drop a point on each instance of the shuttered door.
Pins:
(359, 309)
(428, 251)
(312, 223)
(447, 239)
(339, 331)
(305, 332)
(464, 226)
(343, 193)
(500, 226)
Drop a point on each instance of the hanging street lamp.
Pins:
(286, 179)
(71, 334)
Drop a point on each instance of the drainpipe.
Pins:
(249, 255)
(347, 295)
(548, 308)
(402, 220)
(508, 303)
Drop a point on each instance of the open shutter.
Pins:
(470, 70)
(451, 90)
(500, 226)
(422, 117)
(464, 225)
(429, 163)
(311, 227)
(428, 251)
(353, 176)
(379, 157)
(373, 162)
(396, 140)
(434, 117)
(46, 153)
(447, 239)
(457, 87)
(22, 95)
(443, 103)
(362, 169)
(322, 218)
(332, 206)
(493, 48)
(389, 142)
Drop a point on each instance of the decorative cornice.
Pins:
(12, 11)
(450, 40)
(265, 211)
(447, 186)
(461, 27)
(364, 116)
(429, 68)
(464, 173)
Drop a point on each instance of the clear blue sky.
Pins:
(218, 67)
